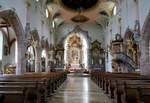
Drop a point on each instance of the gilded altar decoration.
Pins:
(75, 51)
(10, 69)
(97, 55)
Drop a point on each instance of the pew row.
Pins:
(124, 87)
(30, 88)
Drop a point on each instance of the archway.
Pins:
(76, 52)
(8, 46)
(12, 20)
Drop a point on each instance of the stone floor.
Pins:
(79, 89)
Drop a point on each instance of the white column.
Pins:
(109, 63)
(38, 60)
(21, 61)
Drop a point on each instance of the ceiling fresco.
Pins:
(80, 11)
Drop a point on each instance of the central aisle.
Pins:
(79, 89)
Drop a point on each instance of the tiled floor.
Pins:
(79, 89)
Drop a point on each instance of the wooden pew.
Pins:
(132, 91)
(119, 87)
(114, 85)
(29, 84)
(12, 90)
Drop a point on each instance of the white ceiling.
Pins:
(93, 14)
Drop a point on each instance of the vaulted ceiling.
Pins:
(80, 11)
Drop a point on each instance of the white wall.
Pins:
(129, 11)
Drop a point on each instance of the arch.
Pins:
(83, 38)
(81, 32)
(145, 47)
(35, 42)
(15, 23)
(13, 19)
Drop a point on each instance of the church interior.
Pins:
(74, 51)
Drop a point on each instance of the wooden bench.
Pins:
(37, 86)
(120, 86)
